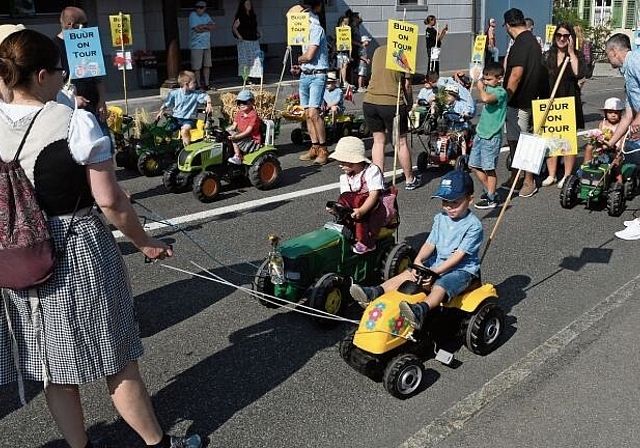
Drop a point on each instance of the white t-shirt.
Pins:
(353, 183)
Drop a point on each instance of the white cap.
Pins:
(613, 103)
(365, 38)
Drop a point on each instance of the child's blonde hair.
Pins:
(185, 77)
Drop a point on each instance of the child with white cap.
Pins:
(333, 97)
(612, 109)
(361, 186)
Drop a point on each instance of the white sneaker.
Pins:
(561, 183)
(549, 181)
(630, 223)
(631, 233)
(235, 160)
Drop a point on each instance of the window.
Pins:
(630, 21)
(31, 8)
(413, 4)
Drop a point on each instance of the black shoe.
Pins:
(507, 185)
(415, 314)
(486, 202)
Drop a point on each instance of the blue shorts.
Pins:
(454, 283)
(485, 152)
(178, 123)
(311, 90)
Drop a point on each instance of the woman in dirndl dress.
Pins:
(79, 326)
(245, 30)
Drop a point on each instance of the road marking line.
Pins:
(455, 417)
(252, 204)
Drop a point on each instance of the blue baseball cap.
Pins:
(245, 95)
(454, 185)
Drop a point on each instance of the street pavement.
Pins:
(219, 364)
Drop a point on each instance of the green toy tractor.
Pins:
(202, 166)
(320, 265)
(597, 183)
(345, 125)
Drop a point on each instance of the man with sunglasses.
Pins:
(523, 82)
(89, 92)
(200, 26)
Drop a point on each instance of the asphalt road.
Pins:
(220, 364)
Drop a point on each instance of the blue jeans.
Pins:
(311, 90)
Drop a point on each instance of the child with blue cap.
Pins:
(451, 250)
(245, 129)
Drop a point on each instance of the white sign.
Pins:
(530, 153)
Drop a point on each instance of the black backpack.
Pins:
(27, 255)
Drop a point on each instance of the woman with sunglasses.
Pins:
(563, 47)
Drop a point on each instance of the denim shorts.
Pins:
(178, 123)
(454, 282)
(311, 90)
(485, 152)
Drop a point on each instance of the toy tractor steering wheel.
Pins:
(341, 212)
(423, 273)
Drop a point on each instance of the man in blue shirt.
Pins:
(618, 50)
(200, 27)
(314, 64)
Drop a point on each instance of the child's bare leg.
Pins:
(185, 133)
(435, 297)
(588, 152)
(236, 150)
(360, 82)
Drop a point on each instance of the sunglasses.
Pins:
(562, 36)
(62, 71)
(242, 103)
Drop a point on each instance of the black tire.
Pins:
(346, 346)
(423, 161)
(345, 131)
(403, 376)
(262, 283)
(397, 260)
(266, 172)
(329, 294)
(297, 136)
(508, 160)
(615, 200)
(569, 192)
(363, 130)
(206, 186)
(462, 163)
(171, 180)
(122, 159)
(149, 164)
(485, 328)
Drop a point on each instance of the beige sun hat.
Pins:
(7, 29)
(350, 150)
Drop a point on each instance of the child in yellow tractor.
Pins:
(451, 250)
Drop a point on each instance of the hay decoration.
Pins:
(264, 104)
(141, 123)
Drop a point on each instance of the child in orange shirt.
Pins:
(245, 130)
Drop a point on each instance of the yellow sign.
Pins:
(343, 38)
(548, 34)
(298, 28)
(121, 29)
(402, 46)
(477, 54)
(560, 127)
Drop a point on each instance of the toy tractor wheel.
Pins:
(266, 172)
(149, 164)
(403, 376)
(397, 260)
(346, 130)
(297, 136)
(485, 328)
(363, 130)
(122, 159)
(631, 185)
(423, 161)
(462, 163)
(569, 192)
(262, 284)
(328, 295)
(615, 200)
(171, 180)
(206, 186)
(346, 346)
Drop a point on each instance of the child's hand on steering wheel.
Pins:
(357, 214)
